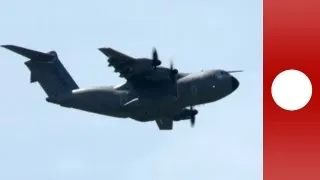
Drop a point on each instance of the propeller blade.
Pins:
(154, 54)
(173, 72)
(155, 58)
(193, 117)
(192, 121)
(171, 65)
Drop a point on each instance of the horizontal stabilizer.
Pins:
(31, 54)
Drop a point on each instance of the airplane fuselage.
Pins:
(193, 89)
(152, 92)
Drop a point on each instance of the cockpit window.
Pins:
(221, 73)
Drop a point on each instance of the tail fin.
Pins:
(47, 69)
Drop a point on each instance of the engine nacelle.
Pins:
(185, 114)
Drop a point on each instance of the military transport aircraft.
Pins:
(151, 92)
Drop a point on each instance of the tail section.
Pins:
(47, 69)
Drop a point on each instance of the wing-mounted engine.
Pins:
(155, 59)
(130, 67)
(170, 74)
(144, 74)
(156, 62)
(186, 114)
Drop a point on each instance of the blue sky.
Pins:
(43, 141)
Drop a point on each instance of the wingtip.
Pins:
(104, 50)
(6, 46)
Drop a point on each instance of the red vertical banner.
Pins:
(291, 138)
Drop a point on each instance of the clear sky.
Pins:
(44, 141)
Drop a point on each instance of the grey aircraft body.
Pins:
(151, 92)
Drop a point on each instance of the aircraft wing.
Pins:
(122, 63)
(138, 71)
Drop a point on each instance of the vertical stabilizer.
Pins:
(47, 69)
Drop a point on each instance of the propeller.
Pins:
(155, 59)
(193, 116)
(173, 72)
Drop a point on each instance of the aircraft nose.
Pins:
(235, 83)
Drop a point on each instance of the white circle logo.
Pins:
(291, 90)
